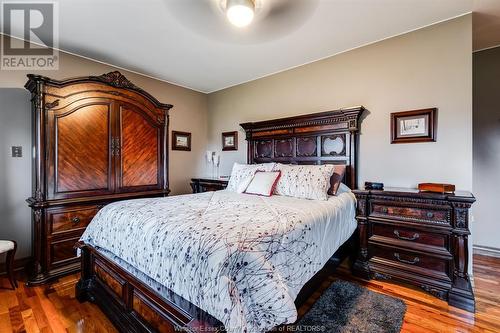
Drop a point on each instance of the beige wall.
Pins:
(189, 113)
(487, 147)
(431, 67)
(15, 173)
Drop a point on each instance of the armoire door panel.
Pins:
(139, 150)
(81, 151)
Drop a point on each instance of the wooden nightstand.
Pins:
(416, 238)
(208, 184)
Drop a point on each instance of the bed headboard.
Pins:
(317, 138)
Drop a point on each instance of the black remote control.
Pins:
(374, 186)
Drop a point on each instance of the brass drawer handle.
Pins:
(412, 238)
(384, 209)
(75, 220)
(411, 262)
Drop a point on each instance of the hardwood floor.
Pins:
(53, 308)
(49, 308)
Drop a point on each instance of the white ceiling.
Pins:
(189, 42)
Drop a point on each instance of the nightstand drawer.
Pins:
(410, 213)
(410, 237)
(208, 187)
(200, 185)
(406, 260)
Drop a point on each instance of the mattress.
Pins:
(241, 258)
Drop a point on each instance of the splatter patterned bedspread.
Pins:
(241, 258)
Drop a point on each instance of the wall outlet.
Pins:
(17, 151)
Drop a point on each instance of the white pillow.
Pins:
(304, 181)
(242, 175)
(263, 183)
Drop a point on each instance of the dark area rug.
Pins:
(349, 308)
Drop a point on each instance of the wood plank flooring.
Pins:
(53, 307)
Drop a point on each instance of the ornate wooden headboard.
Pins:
(318, 138)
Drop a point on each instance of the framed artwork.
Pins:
(230, 140)
(181, 141)
(414, 126)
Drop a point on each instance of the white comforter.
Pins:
(241, 258)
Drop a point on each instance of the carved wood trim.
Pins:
(454, 286)
(342, 137)
(346, 118)
(117, 79)
(441, 294)
(286, 146)
(343, 123)
(304, 141)
(113, 79)
(52, 105)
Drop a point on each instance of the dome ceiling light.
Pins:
(240, 12)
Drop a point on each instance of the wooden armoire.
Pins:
(96, 140)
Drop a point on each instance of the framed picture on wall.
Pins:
(414, 126)
(230, 140)
(181, 141)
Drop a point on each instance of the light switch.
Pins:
(17, 151)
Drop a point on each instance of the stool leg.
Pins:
(10, 267)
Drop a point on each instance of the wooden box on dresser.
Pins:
(418, 238)
(96, 140)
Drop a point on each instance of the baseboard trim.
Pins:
(486, 251)
(19, 265)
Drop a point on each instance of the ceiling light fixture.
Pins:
(240, 12)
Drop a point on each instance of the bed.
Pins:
(223, 261)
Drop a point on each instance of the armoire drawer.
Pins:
(63, 251)
(71, 218)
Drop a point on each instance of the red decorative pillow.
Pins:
(263, 183)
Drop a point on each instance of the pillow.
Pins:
(336, 179)
(343, 188)
(263, 183)
(304, 181)
(242, 175)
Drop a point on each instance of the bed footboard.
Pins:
(131, 305)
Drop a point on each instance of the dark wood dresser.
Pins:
(200, 185)
(416, 238)
(96, 140)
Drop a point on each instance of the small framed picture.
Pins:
(181, 140)
(230, 140)
(414, 126)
